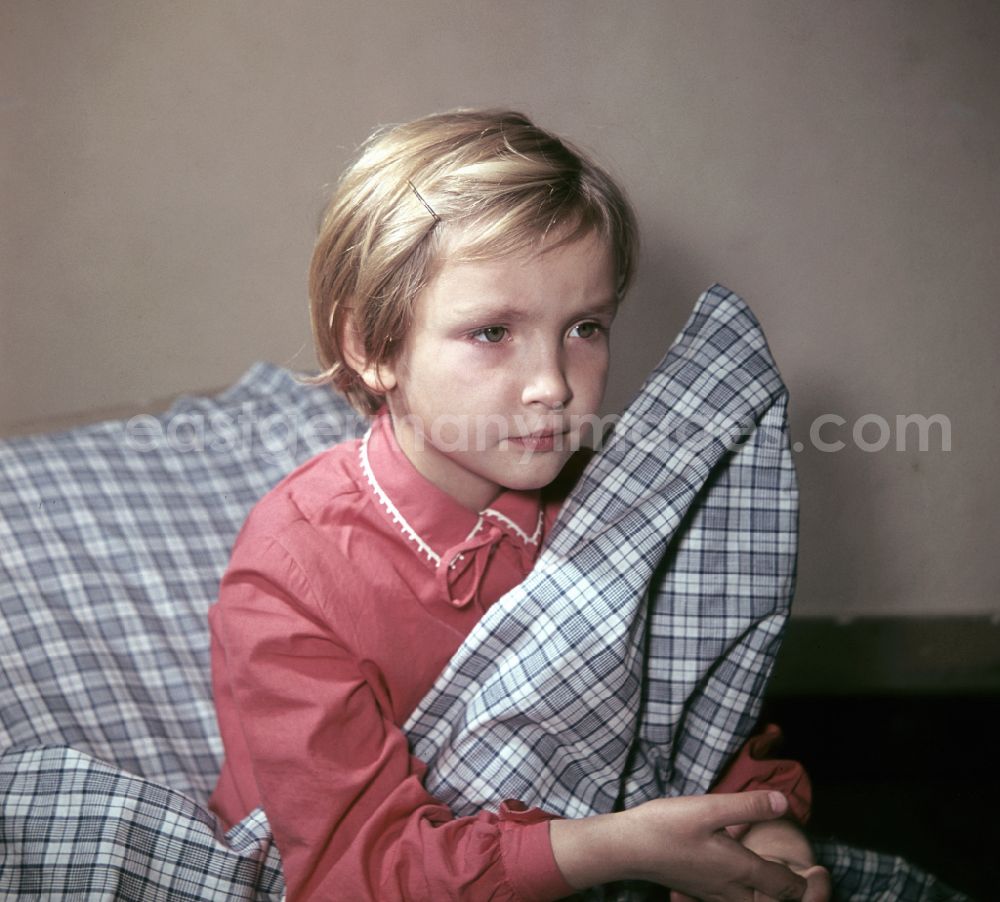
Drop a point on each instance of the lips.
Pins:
(545, 440)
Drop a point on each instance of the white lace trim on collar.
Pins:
(386, 502)
(412, 534)
(528, 540)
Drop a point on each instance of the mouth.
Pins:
(543, 440)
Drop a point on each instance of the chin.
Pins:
(537, 479)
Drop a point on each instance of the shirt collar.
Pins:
(433, 521)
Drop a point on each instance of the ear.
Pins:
(380, 378)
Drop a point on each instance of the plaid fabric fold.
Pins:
(73, 827)
(632, 662)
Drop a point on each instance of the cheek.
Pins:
(484, 371)
(592, 375)
(456, 380)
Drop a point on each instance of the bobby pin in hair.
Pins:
(420, 197)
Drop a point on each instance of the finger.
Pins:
(680, 897)
(819, 885)
(730, 809)
(769, 878)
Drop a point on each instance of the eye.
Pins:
(586, 330)
(490, 334)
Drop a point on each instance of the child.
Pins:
(466, 278)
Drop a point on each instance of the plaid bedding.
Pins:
(113, 538)
(112, 541)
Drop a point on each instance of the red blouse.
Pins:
(350, 587)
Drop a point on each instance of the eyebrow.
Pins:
(485, 311)
(607, 307)
(513, 314)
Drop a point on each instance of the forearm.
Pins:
(592, 851)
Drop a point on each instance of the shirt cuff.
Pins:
(752, 769)
(527, 853)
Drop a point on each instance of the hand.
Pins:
(784, 842)
(707, 862)
(681, 843)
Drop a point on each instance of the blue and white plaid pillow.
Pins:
(113, 538)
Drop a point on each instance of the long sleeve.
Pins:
(311, 738)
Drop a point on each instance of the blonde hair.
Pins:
(478, 184)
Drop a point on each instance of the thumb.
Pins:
(750, 807)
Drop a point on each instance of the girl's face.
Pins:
(503, 368)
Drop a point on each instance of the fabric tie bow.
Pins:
(460, 573)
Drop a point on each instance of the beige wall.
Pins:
(835, 162)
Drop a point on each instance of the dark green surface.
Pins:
(883, 655)
(896, 722)
(916, 776)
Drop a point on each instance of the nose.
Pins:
(546, 383)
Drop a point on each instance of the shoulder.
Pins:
(303, 515)
(293, 549)
(314, 491)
